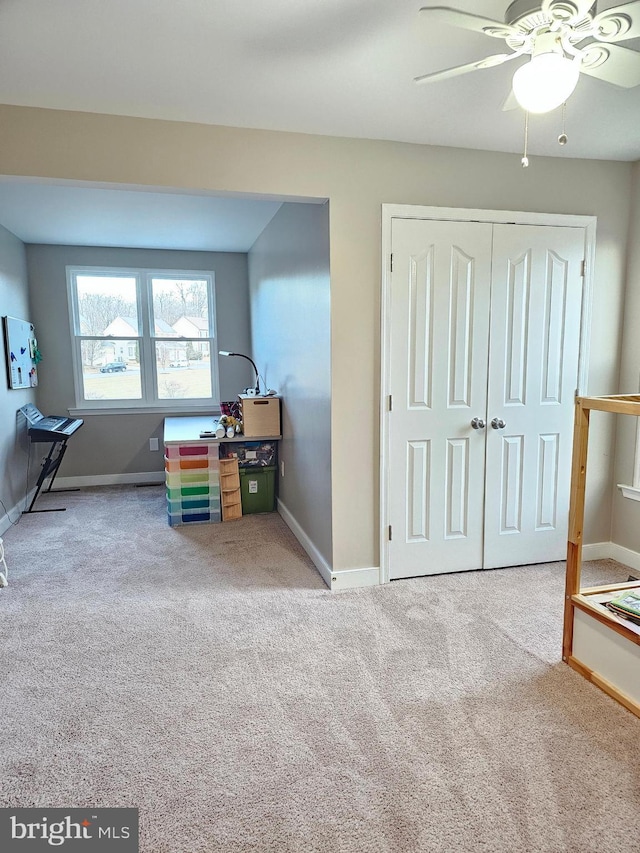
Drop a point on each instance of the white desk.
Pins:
(192, 469)
(187, 431)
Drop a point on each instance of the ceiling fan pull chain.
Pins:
(563, 139)
(525, 159)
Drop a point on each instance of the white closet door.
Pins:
(536, 300)
(439, 308)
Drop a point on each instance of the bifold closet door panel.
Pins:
(536, 299)
(439, 318)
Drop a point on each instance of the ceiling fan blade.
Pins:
(582, 8)
(456, 18)
(619, 23)
(488, 62)
(613, 64)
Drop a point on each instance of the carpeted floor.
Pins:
(207, 676)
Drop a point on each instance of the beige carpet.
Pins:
(207, 676)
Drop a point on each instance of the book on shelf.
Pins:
(627, 605)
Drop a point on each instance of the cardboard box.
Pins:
(260, 416)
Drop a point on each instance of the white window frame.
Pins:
(149, 401)
(633, 491)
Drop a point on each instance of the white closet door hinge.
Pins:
(583, 268)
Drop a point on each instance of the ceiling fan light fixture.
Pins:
(545, 82)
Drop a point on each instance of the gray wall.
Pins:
(357, 176)
(625, 529)
(14, 442)
(291, 335)
(119, 443)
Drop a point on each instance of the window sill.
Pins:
(210, 409)
(632, 492)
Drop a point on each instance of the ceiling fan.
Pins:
(564, 38)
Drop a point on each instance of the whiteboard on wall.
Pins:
(20, 348)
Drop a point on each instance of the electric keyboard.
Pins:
(51, 428)
(55, 431)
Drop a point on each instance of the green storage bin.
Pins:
(258, 489)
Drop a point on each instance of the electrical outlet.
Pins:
(282, 467)
(153, 444)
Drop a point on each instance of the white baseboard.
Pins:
(353, 578)
(597, 551)
(612, 551)
(12, 516)
(140, 478)
(6, 520)
(318, 560)
(346, 579)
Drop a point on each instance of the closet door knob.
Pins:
(478, 423)
(498, 423)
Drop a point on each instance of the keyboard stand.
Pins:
(50, 466)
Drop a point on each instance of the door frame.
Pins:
(453, 214)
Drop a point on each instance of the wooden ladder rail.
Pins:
(576, 521)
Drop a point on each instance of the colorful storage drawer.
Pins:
(191, 463)
(193, 503)
(203, 490)
(193, 483)
(181, 451)
(194, 517)
(192, 478)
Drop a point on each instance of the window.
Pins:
(143, 338)
(633, 491)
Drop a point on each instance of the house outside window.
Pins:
(143, 338)
(192, 327)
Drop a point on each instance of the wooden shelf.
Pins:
(593, 601)
(599, 645)
(230, 495)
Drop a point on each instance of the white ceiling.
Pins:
(333, 67)
(67, 214)
(338, 67)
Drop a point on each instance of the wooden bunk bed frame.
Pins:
(600, 646)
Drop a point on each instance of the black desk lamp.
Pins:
(240, 355)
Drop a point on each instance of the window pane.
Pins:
(107, 305)
(184, 370)
(107, 374)
(180, 308)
